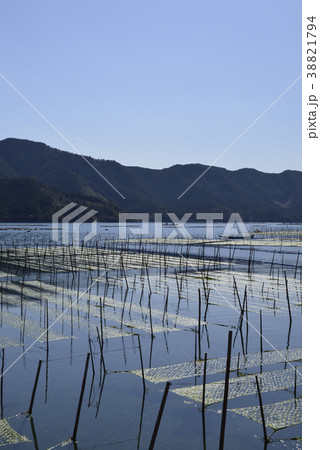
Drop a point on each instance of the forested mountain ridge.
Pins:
(256, 195)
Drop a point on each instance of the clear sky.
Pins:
(155, 82)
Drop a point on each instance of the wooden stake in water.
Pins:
(166, 304)
(147, 272)
(199, 316)
(296, 268)
(261, 346)
(1, 386)
(34, 388)
(261, 410)
(101, 323)
(238, 363)
(141, 362)
(226, 390)
(271, 266)
(156, 428)
(207, 304)
(74, 435)
(288, 300)
(124, 273)
(178, 287)
(150, 317)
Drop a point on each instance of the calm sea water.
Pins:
(116, 412)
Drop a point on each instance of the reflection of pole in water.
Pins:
(150, 356)
(204, 382)
(124, 351)
(199, 323)
(101, 350)
(100, 394)
(91, 354)
(47, 379)
(141, 417)
(204, 430)
(261, 347)
(1, 384)
(71, 350)
(141, 362)
(92, 391)
(34, 435)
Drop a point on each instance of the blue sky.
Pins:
(155, 83)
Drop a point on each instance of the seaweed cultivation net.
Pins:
(190, 369)
(277, 415)
(263, 291)
(8, 435)
(178, 320)
(241, 386)
(30, 327)
(8, 342)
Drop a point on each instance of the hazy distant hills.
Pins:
(257, 196)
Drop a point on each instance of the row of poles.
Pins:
(243, 309)
(164, 397)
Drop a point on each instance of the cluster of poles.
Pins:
(51, 260)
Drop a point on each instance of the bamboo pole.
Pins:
(34, 388)
(156, 428)
(261, 410)
(75, 429)
(226, 389)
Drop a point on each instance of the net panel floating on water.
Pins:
(178, 320)
(241, 386)
(8, 435)
(30, 328)
(49, 293)
(6, 341)
(35, 293)
(4, 274)
(191, 369)
(277, 415)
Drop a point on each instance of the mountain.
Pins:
(27, 200)
(257, 196)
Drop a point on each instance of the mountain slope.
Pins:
(257, 196)
(27, 200)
